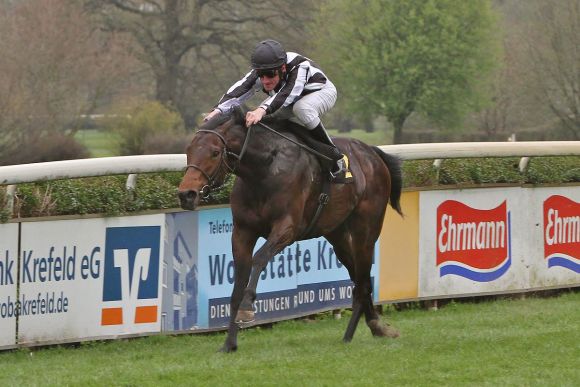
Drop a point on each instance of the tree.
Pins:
(493, 119)
(54, 69)
(552, 40)
(191, 46)
(394, 58)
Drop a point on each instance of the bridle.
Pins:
(212, 181)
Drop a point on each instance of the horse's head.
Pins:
(208, 160)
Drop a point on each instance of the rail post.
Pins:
(131, 183)
(10, 195)
(437, 166)
(523, 166)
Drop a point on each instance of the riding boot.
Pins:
(337, 166)
(319, 133)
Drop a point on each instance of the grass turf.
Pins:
(533, 341)
(100, 143)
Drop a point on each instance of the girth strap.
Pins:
(323, 200)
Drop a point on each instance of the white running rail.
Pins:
(70, 169)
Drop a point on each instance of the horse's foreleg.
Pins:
(282, 235)
(242, 246)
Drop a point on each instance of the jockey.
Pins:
(297, 90)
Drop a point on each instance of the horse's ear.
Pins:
(239, 114)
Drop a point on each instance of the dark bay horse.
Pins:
(275, 196)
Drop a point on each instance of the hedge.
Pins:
(108, 195)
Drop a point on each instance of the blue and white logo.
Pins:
(131, 275)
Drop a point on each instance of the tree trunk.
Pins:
(344, 125)
(368, 124)
(166, 85)
(398, 126)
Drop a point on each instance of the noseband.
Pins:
(211, 180)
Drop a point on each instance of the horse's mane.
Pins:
(238, 114)
(215, 122)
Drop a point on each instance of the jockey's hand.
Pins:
(254, 116)
(211, 114)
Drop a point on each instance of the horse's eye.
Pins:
(215, 153)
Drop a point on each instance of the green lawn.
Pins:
(378, 137)
(100, 143)
(530, 342)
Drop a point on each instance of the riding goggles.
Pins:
(267, 73)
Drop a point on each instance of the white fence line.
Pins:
(455, 150)
(70, 169)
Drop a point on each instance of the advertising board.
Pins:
(8, 283)
(107, 277)
(180, 273)
(304, 278)
(473, 241)
(555, 258)
(399, 251)
(90, 278)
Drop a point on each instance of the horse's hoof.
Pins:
(380, 330)
(346, 340)
(391, 332)
(244, 316)
(228, 349)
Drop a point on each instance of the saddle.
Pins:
(344, 174)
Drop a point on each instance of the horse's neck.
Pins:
(261, 148)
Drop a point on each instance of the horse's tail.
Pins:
(394, 165)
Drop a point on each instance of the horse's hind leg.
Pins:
(358, 260)
(343, 248)
(364, 294)
(365, 286)
(373, 320)
(362, 279)
(242, 246)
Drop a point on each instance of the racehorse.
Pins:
(276, 194)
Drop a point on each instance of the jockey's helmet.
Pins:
(268, 55)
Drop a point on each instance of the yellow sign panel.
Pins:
(399, 251)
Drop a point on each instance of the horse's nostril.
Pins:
(188, 199)
(187, 195)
